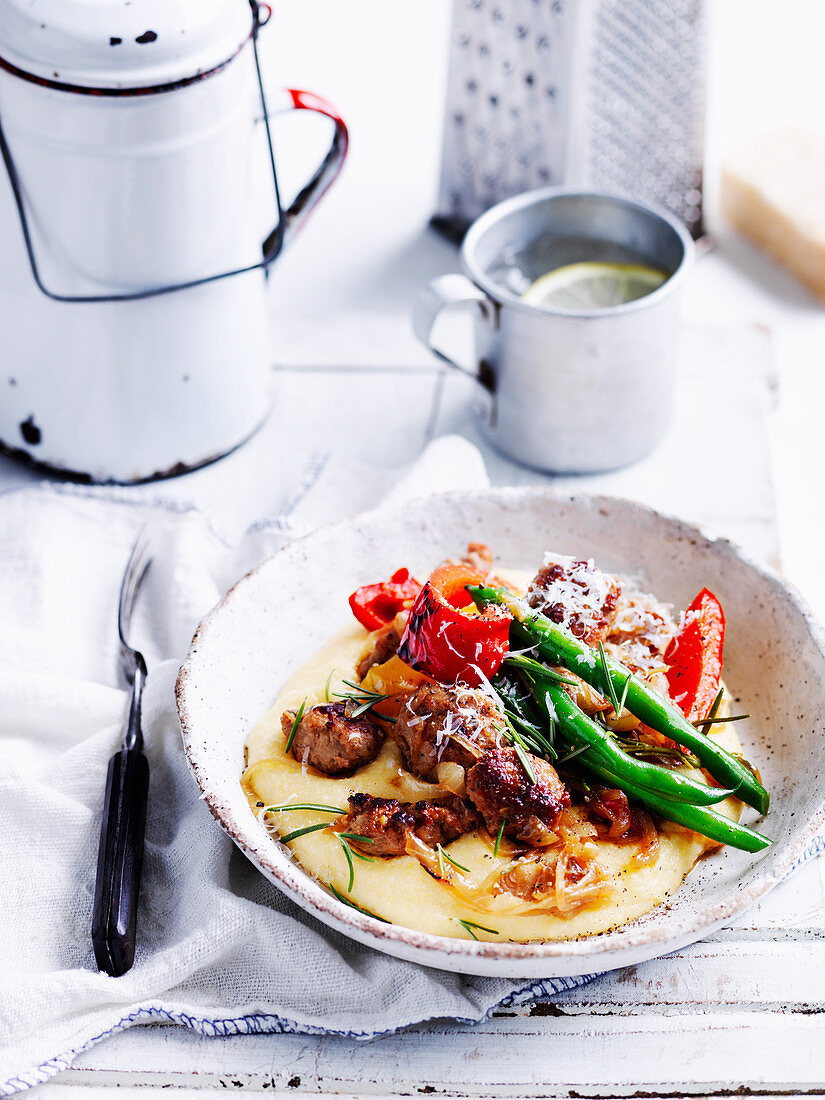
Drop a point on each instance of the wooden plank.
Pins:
(766, 966)
(667, 1054)
(82, 1090)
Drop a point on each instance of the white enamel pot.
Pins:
(135, 162)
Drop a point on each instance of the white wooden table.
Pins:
(742, 1012)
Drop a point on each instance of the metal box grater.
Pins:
(607, 94)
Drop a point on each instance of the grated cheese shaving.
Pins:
(576, 596)
(641, 632)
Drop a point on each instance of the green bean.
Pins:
(701, 819)
(578, 728)
(558, 646)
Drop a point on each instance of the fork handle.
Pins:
(120, 861)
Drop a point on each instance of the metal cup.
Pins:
(567, 391)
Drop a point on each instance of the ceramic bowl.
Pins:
(269, 623)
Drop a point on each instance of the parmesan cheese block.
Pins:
(773, 191)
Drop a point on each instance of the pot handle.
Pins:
(289, 221)
(441, 293)
(294, 216)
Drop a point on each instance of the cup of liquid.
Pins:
(575, 298)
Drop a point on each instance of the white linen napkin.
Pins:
(220, 950)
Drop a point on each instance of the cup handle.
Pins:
(445, 291)
(293, 99)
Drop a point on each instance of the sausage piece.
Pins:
(386, 822)
(455, 724)
(501, 789)
(331, 741)
(577, 595)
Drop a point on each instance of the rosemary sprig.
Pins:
(551, 720)
(349, 852)
(544, 741)
(364, 698)
(298, 716)
(643, 748)
(572, 754)
(303, 806)
(499, 836)
(518, 710)
(724, 718)
(469, 925)
(714, 710)
(611, 691)
(528, 729)
(536, 744)
(623, 699)
(303, 832)
(352, 905)
(345, 848)
(526, 763)
(449, 858)
(327, 685)
(518, 740)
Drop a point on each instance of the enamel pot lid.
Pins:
(122, 45)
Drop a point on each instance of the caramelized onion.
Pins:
(649, 842)
(579, 879)
(561, 882)
(584, 696)
(452, 778)
(612, 806)
(477, 896)
(624, 723)
(413, 789)
(475, 751)
(528, 878)
(574, 825)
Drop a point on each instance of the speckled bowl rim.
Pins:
(596, 953)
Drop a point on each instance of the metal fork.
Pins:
(120, 856)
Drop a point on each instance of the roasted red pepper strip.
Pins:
(374, 605)
(694, 657)
(450, 580)
(446, 644)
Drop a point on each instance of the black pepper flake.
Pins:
(30, 432)
(114, 41)
(147, 36)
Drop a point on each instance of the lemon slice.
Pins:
(593, 285)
